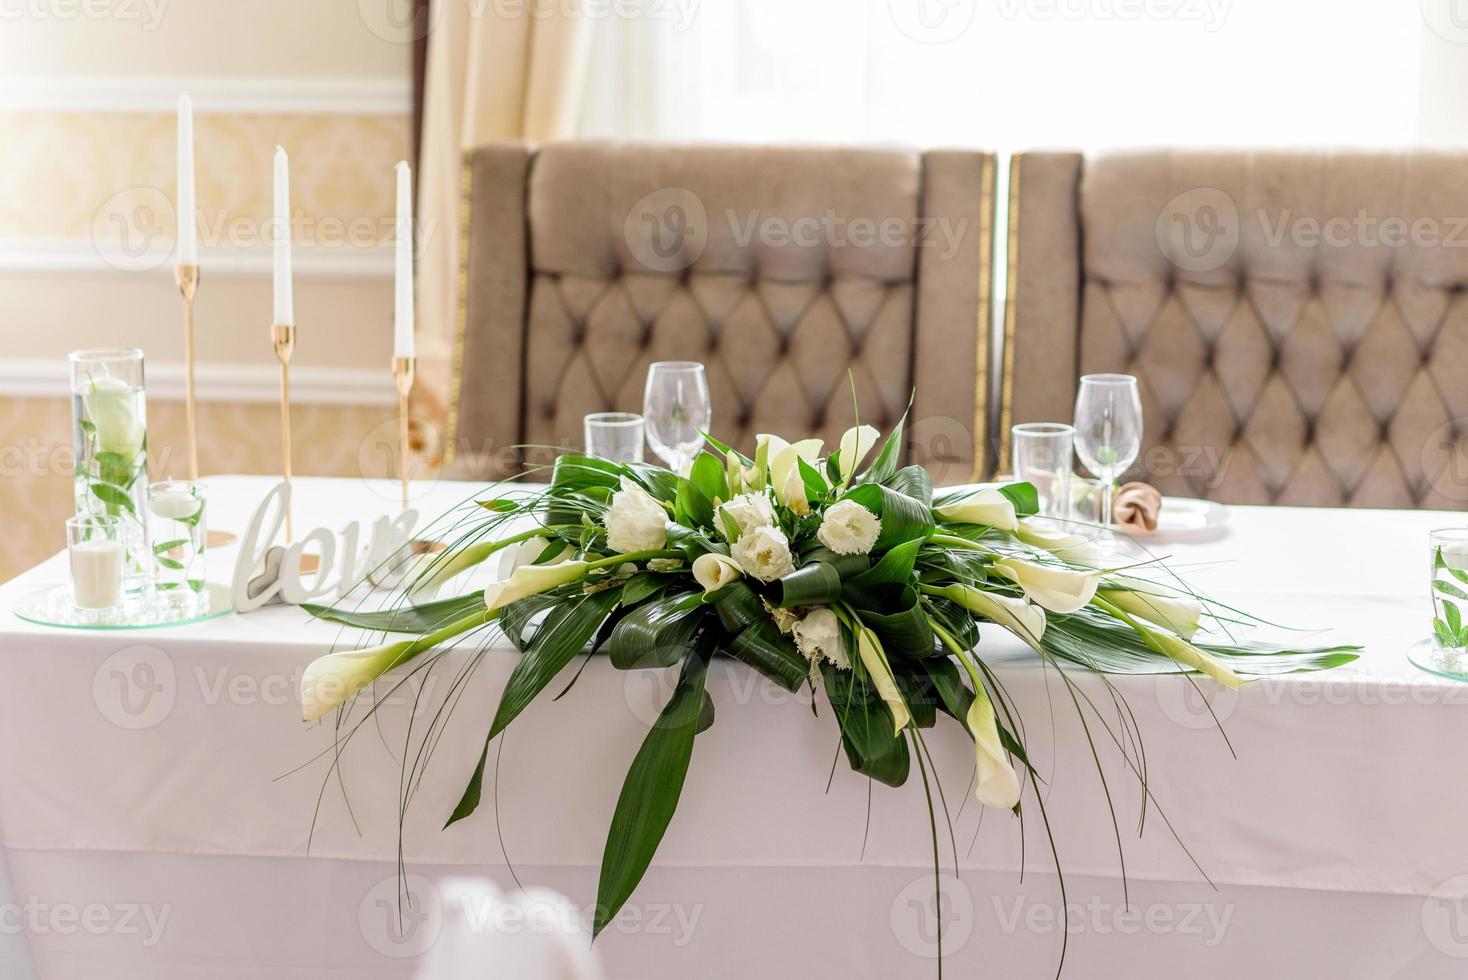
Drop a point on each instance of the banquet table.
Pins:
(164, 812)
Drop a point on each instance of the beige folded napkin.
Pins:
(1135, 507)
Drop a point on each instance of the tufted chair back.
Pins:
(782, 269)
(1297, 321)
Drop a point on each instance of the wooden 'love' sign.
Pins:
(340, 563)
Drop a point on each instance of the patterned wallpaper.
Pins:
(69, 175)
(35, 461)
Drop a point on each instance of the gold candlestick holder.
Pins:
(403, 369)
(187, 277)
(283, 336)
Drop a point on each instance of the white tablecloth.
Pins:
(155, 817)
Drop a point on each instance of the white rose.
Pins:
(848, 528)
(713, 571)
(749, 511)
(818, 636)
(764, 553)
(635, 521)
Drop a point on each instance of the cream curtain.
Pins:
(495, 71)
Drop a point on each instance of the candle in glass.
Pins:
(188, 239)
(403, 254)
(285, 307)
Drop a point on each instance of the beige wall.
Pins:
(87, 183)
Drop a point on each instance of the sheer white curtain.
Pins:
(1012, 74)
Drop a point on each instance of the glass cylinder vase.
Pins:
(110, 442)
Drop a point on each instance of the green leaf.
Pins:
(661, 483)
(1444, 635)
(707, 473)
(650, 792)
(87, 426)
(691, 542)
(656, 634)
(866, 727)
(872, 588)
(954, 697)
(1024, 496)
(409, 619)
(692, 507)
(500, 506)
(816, 486)
(1459, 574)
(172, 563)
(643, 585)
(814, 584)
(915, 482)
(903, 627)
(738, 606)
(1453, 616)
(706, 714)
(1437, 561)
(918, 691)
(772, 653)
(904, 518)
(167, 546)
(1448, 588)
(728, 525)
(568, 628)
(885, 465)
(114, 496)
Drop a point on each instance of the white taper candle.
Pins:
(285, 305)
(403, 284)
(188, 236)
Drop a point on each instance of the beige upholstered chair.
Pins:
(1298, 321)
(782, 269)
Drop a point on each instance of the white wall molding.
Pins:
(233, 383)
(369, 96)
(344, 262)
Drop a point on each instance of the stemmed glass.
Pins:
(677, 411)
(1108, 428)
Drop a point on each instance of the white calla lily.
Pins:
(1074, 548)
(874, 659)
(997, 784)
(856, 442)
(785, 476)
(1174, 612)
(713, 571)
(1022, 618)
(1060, 590)
(1190, 656)
(529, 580)
(331, 681)
(986, 506)
(767, 445)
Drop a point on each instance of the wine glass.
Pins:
(1108, 428)
(677, 411)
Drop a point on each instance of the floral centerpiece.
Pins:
(838, 570)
